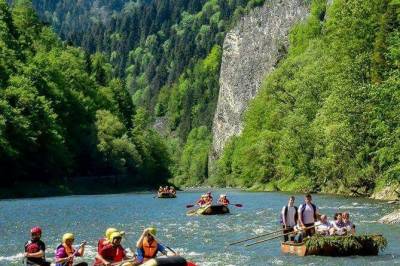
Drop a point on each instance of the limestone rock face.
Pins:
(250, 51)
(393, 218)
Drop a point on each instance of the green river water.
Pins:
(203, 240)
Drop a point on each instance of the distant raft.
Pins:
(168, 261)
(166, 195)
(209, 210)
(336, 246)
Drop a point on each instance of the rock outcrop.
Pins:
(250, 51)
(393, 218)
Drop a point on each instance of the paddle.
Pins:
(76, 252)
(247, 239)
(190, 206)
(236, 205)
(264, 240)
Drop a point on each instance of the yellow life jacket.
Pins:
(149, 250)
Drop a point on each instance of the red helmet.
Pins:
(36, 230)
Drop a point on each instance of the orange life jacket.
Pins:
(149, 250)
(70, 251)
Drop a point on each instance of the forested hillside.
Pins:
(169, 52)
(327, 119)
(63, 114)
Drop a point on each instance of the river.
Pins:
(202, 239)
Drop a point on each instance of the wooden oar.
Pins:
(251, 238)
(237, 205)
(263, 240)
(190, 206)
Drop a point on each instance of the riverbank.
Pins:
(74, 186)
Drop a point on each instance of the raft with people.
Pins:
(209, 210)
(305, 232)
(166, 195)
(166, 192)
(336, 246)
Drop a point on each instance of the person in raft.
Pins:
(65, 252)
(308, 214)
(209, 199)
(223, 200)
(324, 227)
(147, 246)
(35, 249)
(350, 227)
(112, 252)
(289, 218)
(202, 201)
(106, 239)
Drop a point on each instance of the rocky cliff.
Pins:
(250, 51)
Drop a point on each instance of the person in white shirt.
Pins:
(308, 213)
(289, 217)
(324, 227)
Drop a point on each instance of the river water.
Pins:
(201, 239)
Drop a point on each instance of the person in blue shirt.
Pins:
(147, 246)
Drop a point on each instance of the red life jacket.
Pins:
(102, 243)
(149, 250)
(32, 247)
(111, 254)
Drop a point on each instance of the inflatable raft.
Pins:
(166, 195)
(209, 210)
(168, 261)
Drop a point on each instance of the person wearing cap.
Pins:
(65, 252)
(147, 246)
(35, 249)
(106, 239)
(112, 252)
(223, 200)
(202, 201)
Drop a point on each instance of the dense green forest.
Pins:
(327, 119)
(169, 52)
(63, 114)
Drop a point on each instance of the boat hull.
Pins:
(166, 195)
(210, 210)
(301, 249)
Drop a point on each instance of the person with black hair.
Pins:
(289, 217)
(308, 215)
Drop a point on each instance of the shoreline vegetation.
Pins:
(124, 184)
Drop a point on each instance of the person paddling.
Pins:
(223, 200)
(147, 246)
(106, 239)
(112, 252)
(202, 201)
(65, 252)
(289, 217)
(35, 249)
(209, 198)
(308, 213)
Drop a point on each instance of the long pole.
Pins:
(251, 238)
(263, 240)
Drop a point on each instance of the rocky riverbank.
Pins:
(392, 218)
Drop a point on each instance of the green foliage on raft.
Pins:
(346, 245)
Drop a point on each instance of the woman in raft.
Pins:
(65, 252)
